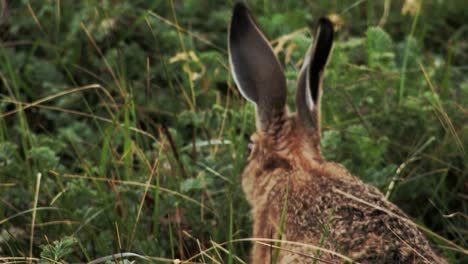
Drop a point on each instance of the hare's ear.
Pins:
(255, 68)
(310, 77)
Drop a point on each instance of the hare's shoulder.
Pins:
(354, 219)
(332, 194)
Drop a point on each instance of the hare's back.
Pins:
(354, 219)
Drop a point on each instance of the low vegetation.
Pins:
(121, 129)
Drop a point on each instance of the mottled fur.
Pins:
(316, 207)
(326, 206)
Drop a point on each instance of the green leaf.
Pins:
(58, 250)
(379, 48)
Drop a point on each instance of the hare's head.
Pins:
(282, 141)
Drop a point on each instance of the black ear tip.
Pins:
(240, 21)
(240, 10)
(326, 23)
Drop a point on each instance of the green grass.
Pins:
(129, 112)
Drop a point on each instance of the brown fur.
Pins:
(326, 208)
(289, 160)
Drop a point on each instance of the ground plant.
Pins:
(123, 136)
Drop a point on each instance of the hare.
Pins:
(317, 208)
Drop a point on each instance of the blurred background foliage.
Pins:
(128, 112)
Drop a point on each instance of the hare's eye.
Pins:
(249, 149)
(250, 146)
